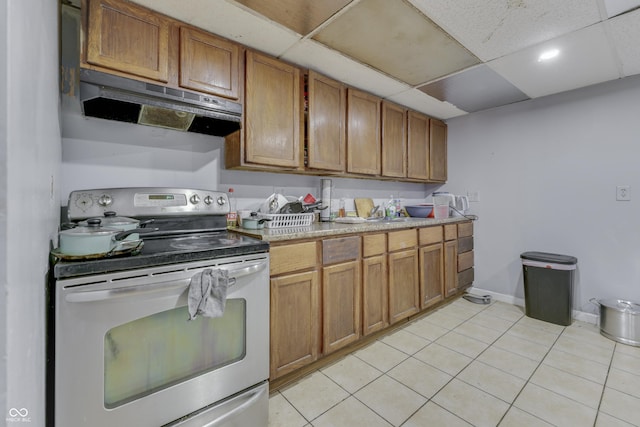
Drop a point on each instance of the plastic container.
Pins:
(548, 286)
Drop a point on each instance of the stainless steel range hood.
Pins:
(117, 98)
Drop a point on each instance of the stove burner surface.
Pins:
(200, 242)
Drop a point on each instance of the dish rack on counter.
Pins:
(287, 220)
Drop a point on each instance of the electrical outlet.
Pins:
(473, 196)
(623, 193)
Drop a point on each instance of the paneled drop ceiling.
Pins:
(444, 58)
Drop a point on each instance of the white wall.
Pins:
(29, 208)
(546, 173)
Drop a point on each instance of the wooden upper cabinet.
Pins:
(418, 146)
(209, 64)
(128, 38)
(326, 145)
(394, 140)
(363, 133)
(272, 112)
(438, 150)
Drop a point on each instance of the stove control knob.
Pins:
(221, 201)
(208, 200)
(195, 199)
(105, 200)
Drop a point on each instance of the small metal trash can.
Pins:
(548, 286)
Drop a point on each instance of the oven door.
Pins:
(125, 353)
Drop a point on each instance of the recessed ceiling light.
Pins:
(548, 54)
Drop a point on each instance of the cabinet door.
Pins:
(417, 146)
(341, 305)
(375, 291)
(363, 133)
(394, 140)
(208, 63)
(438, 150)
(431, 275)
(450, 267)
(272, 112)
(404, 295)
(326, 145)
(295, 336)
(128, 38)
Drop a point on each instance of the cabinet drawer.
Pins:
(402, 239)
(374, 244)
(465, 244)
(298, 256)
(429, 235)
(450, 232)
(465, 261)
(339, 250)
(465, 278)
(465, 230)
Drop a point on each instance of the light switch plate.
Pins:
(623, 193)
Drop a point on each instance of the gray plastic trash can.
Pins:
(548, 286)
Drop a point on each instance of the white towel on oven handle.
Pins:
(208, 293)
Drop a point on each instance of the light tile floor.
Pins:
(469, 364)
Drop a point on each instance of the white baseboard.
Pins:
(510, 299)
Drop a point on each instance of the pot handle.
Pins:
(595, 302)
(121, 235)
(143, 224)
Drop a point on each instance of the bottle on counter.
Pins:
(390, 208)
(232, 215)
(342, 212)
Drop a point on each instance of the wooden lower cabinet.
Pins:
(375, 291)
(340, 305)
(295, 332)
(431, 275)
(450, 268)
(404, 295)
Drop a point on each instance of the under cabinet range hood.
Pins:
(117, 98)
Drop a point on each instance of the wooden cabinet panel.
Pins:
(465, 261)
(465, 229)
(431, 275)
(394, 140)
(326, 144)
(272, 112)
(450, 232)
(363, 133)
(295, 332)
(430, 235)
(340, 305)
(438, 150)
(293, 257)
(209, 64)
(374, 244)
(402, 239)
(340, 249)
(375, 292)
(465, 244)
(450, 268)
(465, 279)
(404, 294)
(128, 38)
(418, 146)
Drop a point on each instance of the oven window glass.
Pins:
(158, 351)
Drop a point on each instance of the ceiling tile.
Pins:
(320, 58)
(230, 21)
(585, 58)
(301, 16)
(476, 89)
(420, 101)
(625, 32)
(494, 28)
(393, 37)
(616, 7)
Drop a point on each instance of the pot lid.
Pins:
(111, 219)
(621, 305)
(93, 228)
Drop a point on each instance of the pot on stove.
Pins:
(121, 223)
(94, 239)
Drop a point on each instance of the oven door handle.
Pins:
(181, 285)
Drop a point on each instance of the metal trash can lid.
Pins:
(549, 258)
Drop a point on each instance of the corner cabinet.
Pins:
(363, 133)
(125, 37)
(326, 121)
(272, 133)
